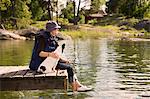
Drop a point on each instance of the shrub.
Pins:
(23, 23)
(63, 21)
(94, 21)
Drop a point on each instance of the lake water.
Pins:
(115, 69)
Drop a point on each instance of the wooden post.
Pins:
(65, 86)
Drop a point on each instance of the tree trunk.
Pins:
(78, 11)
(76, 18)
(57, 11)
(74, 8)
(14, 19)
(1, 18)
(49, 10)
(51, 7)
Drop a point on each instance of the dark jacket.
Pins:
(50, 44)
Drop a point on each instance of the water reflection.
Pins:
(115, 69)
(15, 52)
(134, 65)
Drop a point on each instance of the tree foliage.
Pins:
(36, 9)
(68, 12)
(15, 13)
(130, 8)
(95, 5)
(20, 13)
(72, 12)
(4, 6)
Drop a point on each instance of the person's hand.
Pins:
(69, 62)
(65, 60)
(54, 55)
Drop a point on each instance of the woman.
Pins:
(45, 45)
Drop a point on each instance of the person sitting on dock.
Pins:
(45, 47)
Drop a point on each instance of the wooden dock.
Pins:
(21, 78)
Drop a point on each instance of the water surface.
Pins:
(115, 69)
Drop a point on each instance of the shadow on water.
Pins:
(115, 69)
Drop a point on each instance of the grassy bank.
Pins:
(106, 27)
(85, 30)
(112, 31)
(89, 31)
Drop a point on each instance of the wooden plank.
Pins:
(30, 73)
(3, 69)
(10, 74)
(30, 83)
(24, 72)
(6, 69)
(21, 73)
(25, 79)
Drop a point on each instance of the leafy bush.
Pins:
(39, 24)
(23, 23)
(94, 21)
(63, 21)
(147, 13)
(82, 19)
(8, 24)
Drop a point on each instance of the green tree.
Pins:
(36, 9)
(4, 4)
(73, 12)
(95, 5)
(130, 8)
(15, 13)
(22, 15)
(68, 12)
(4, 14)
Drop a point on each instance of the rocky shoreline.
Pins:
(29, 34)
(25, 34)
(9, 35)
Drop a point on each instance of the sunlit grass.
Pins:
(101, 32)
(93, 32)
(98, 31)
(85, 34)
(39, 24)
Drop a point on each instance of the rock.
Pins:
(125, 39)
(139, 35)
(4, 37)
(8, 35)
(70, 27)
(144, 24)
(28, 33)
(124, 29)
(125, 36)
(139, 39)
(124, 23)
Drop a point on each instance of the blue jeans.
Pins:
(63, 66)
